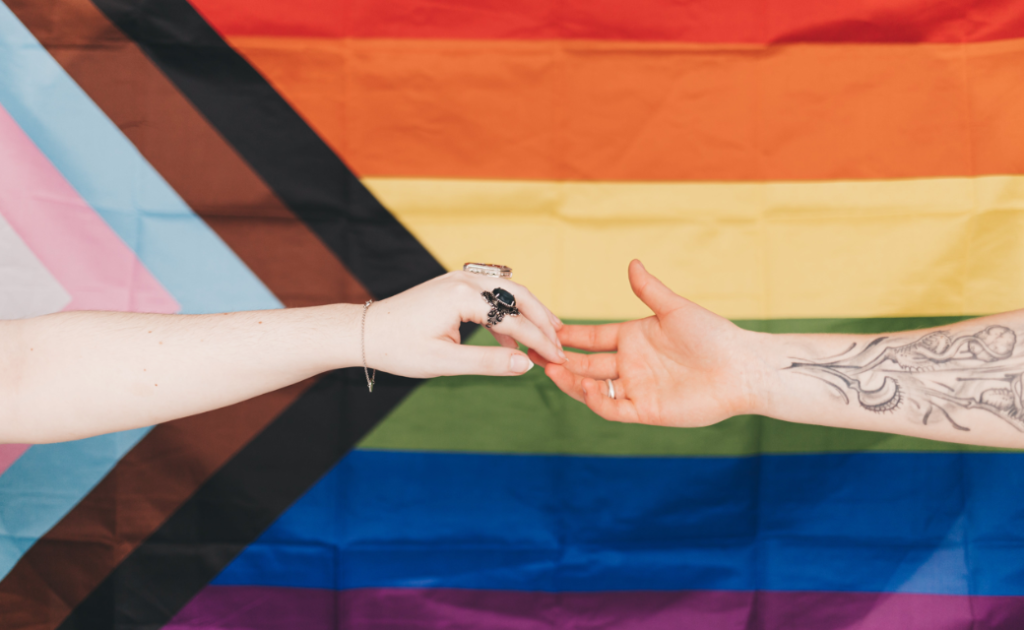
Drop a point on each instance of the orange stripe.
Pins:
(641, 111)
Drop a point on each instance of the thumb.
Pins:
(485, 361)
(651, 291)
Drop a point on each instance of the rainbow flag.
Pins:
(843, 166)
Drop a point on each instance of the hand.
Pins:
(683, 367)
(416, 333)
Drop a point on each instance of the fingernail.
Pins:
(557, 323)
(561, 353)
(520, 364)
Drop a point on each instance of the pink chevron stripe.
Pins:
(73, 242)
(95, 266)
(9, 453)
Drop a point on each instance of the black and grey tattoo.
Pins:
(939, 376)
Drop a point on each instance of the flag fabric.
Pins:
(847, 166)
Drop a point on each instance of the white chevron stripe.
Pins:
(27, 288)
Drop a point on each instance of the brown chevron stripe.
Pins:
(171, 462)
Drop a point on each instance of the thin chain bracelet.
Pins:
(370, 380)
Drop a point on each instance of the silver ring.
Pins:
(611, 388)
(495, 271)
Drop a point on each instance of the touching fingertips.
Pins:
(553, 338)
(519, 364)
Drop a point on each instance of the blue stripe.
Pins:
(881, 522)
(182, 252)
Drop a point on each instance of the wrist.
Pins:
(342, 343)
(758, 366)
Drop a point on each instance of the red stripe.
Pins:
(703, 21)
(259, 608)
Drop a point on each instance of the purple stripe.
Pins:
(266, 608)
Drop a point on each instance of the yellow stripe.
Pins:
(949, 246)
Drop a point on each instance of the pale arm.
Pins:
(686, 366)
(71, 375)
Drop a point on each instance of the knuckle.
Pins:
(464, 290)
(455, 277)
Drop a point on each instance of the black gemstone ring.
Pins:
(502, 303)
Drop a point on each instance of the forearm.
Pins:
(70, 375)
(959, 383)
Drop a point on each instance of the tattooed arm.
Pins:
(686, 366)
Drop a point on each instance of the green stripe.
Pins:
(528, 415)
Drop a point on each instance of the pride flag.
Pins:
(843, 166)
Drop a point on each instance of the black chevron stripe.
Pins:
(238, 503)
(243, 498)
(304, 172)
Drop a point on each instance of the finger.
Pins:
(526, 302)
(594, 338)
(536, 312)
(595, 396)
(569, 383)
(536, 358)
(526, 332)
(482, 360)
(615, 388)
(652, 291)
(505, 340)
(557, 323)
(596, 366)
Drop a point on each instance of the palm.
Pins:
(681, 367)
(676, 368)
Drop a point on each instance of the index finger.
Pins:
(595, 338)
